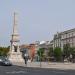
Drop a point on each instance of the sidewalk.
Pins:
(55, 65)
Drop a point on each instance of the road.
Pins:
(18, 70)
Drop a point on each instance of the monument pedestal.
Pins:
(16, 59)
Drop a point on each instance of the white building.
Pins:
(66, 37)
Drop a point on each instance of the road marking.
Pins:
(59, 72)
(16, 72)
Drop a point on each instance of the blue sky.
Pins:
(38, 19)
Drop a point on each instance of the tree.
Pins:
(40, 53)
(66, 50)
(4, 51)
(50, 53)
(58, 53)
(72, 52)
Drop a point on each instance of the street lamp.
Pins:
(40, 59)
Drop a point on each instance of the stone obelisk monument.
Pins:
(15, 56)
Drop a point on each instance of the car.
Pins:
(5, 62)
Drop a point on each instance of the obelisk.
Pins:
(15, 56)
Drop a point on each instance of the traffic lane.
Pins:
(17, 70)
(12, 70)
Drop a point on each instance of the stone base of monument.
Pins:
(16, 59)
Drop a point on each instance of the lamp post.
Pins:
(40, 59)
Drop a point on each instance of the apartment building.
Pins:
(62, 38)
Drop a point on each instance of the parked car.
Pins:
(5, 62)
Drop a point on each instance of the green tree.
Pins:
(4, 51)
(72, 51)
(51, 52)
(66, 50)
(40, 53)
(58, 53)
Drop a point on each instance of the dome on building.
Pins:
(42, 42)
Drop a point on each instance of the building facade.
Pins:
(66, 37)
(29, 50)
